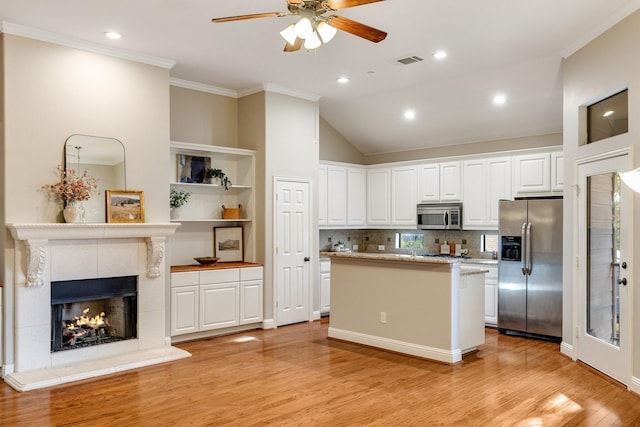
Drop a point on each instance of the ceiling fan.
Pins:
(314, 27)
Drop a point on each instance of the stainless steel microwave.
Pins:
(440, 216)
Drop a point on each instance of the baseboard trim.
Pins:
(441, 355)
(316, 316)
(567, 350)
(634, 386)
(269, 324)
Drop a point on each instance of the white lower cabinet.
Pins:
(325, 286)
(491, 296)
(213, 299)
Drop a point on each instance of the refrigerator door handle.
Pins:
(529, 249)
(523, 252)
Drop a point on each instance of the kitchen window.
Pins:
(409, 241)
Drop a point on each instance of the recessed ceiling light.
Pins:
(409, 114)
(113, 35)
(608, 113)
(499, 99)
(343, 80)
(441, 54)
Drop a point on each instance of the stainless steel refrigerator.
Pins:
(530, 267)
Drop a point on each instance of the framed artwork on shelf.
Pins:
(228, 243)
(192, 169)
(125, 206)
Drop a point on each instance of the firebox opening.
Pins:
(93, 311)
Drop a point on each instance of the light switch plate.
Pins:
(381, 247)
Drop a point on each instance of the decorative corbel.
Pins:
(155, 254)
(36, 259)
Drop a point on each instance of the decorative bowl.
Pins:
(207, 260)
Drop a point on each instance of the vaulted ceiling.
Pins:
(508, 47)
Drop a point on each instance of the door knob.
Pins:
(307, 259)
(623, 281)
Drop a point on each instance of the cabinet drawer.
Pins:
(184, 279)
(251, 273)
(220, 276)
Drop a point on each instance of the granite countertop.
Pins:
(407, 258)
(470, 271)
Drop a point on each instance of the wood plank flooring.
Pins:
(295, 376)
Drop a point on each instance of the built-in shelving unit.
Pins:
(206, 200)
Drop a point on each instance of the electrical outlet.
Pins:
(383, 317)
(381, 247)
(354, 247)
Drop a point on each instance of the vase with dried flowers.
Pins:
(72, 189)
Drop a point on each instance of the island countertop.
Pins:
(391, 257)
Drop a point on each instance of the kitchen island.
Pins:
(425, 307)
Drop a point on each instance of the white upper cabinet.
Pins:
(404, 182)
(485, 182)
(322, 195)
(474, 209)
(531, 174)
(337, 196)
(379, 196)
(557, 172)
(356, 196)
(429, 182)
(450, 181)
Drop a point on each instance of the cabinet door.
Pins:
(403, 195)
(498, 187)
(325, 292)
(557, 172)
(429, 182)
(322, 195)
(474, 213)
(356, 196)
(184, 309)
(491, 297)
(250, 301)
(450, 181)
(379, 196)
(219, 306)
(531, 173)
(336, 195)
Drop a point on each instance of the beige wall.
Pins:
(203, 118)
(52, 92)
(604, 66)
(334, 147)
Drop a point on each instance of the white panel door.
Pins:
(429, 182)
(356, 196)
(379, 196)
(292, 238)
(404, 182)
(336, 195)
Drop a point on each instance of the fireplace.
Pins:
(93, 311)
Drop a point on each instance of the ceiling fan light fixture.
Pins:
(312, 41)
(326, 31)
(289, 34)
(303, 28)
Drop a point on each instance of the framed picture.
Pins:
(227, 242)
(192, 169)
(125, 206)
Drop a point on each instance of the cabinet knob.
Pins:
(307, 259)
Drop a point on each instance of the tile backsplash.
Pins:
(369, 240)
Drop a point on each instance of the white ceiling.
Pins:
(514, 47)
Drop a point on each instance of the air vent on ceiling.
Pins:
(410, 60)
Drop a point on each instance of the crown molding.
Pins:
(203, 87)
(600, 29)
(62, 40)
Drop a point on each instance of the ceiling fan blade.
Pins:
(295, 46)
(255, 15)
(356, 28)
(344, 4)
(294, 1)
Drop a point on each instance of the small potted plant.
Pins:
(177, 198)
(213, 173)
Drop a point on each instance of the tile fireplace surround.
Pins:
(56, 252)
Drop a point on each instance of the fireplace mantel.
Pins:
(37, 236)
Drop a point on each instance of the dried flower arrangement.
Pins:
(72, 188)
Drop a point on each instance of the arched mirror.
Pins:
(103, 158)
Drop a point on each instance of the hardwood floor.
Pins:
(295, 376)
